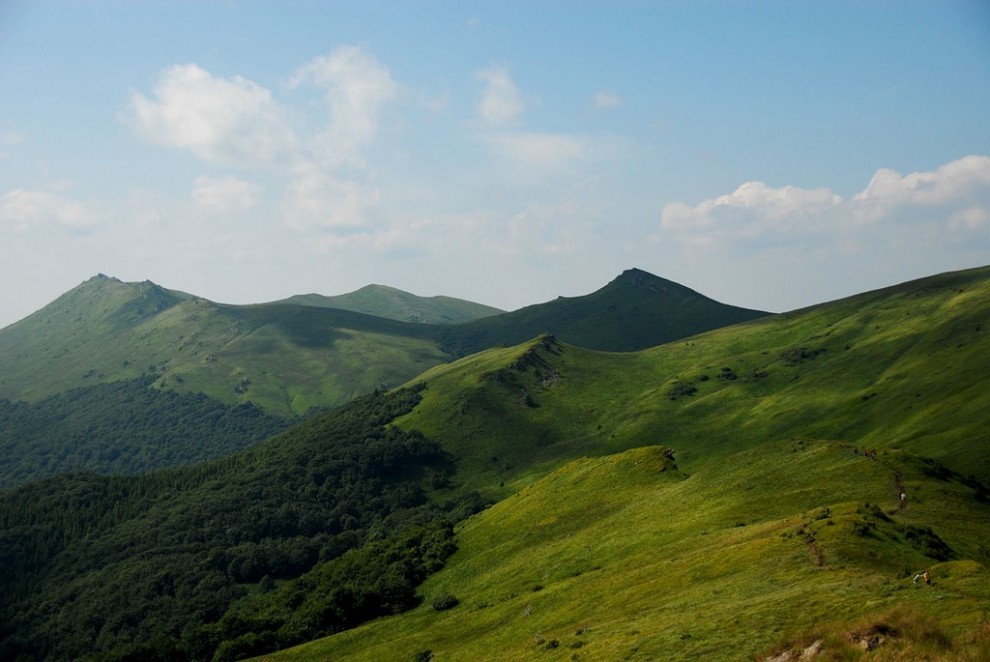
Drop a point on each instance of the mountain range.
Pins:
(73, 374)
(766, 489)
(288, 357)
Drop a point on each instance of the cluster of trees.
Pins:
(124, 427)
(319, 528)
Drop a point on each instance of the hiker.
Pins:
(926, 575)
(903, 499)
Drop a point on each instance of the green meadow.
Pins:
(734, 495)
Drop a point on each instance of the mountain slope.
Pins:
(635, 311)
(667, 503)
(900, 367)
(284, 358)
(289, 358)
(122, 427)
(391, 303)
(148, 567)
(626, 557)
(767, 521)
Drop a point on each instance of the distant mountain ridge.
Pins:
(392, 303)
(634, 311)
(288, 358)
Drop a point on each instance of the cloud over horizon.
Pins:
(952, 200)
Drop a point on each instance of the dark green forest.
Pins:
(321, 527)
(123, 427)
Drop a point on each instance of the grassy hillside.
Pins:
(635, 311)
(902, 367)
(739, 498)
(388, 302)
(626, 557)
(284, 358)
(729, 495)
(288, 358)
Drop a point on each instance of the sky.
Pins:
(771, 155)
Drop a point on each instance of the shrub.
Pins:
(445, 602)
(680, 388)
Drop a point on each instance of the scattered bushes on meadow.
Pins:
(680, 389)
(445, 602)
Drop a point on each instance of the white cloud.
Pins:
(356, 87)
(605, 99)
(961, 183)
(23, 209)
(953, 198)
(218, 119)
(539, 150)
(501, 102)
(221, 195)
(751, 210)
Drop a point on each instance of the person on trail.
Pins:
(926, 575)
(903, 499)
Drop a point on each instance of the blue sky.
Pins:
(770, 155)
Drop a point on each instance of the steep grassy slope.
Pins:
(635, 311)
(902, 367)
(709, 498)
(778, 525)
(388, 302)
(626, 557)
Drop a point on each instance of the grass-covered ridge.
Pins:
(391, 303)
(284, 358)
(902, 367)
(634, 311)
(739, 496)
(288, 358)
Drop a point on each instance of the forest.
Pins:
(329, 521)
(123, 427)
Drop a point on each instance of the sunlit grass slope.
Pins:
(384, 301)
(738, 497)
(285, 358)
(903, 367)
(627, 557)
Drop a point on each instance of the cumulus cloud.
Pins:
(218, 119)
(953, 198)
(501, 103)
(356, 86)
(962, 183)
(605, 99)
(221, 195)
(22, 209)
